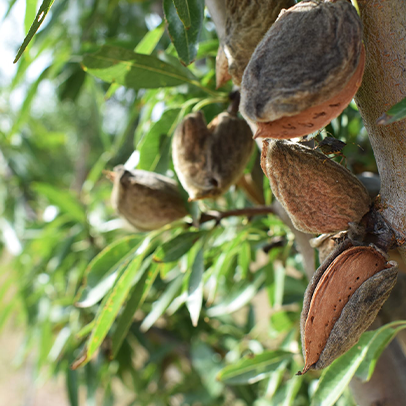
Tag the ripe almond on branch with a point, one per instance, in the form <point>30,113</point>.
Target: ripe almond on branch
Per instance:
<point>342,300</point>
<point>145,199</point>
<point>305,71</point>
<point>247,22</point>
<point>319,195</point>
<point>208,159</point>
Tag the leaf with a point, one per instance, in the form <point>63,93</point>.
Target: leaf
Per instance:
<point>30,11</point>
<point>239,298</point>
<point>177,247</point>
<point>195,288</point>
<point>101,273</point>
<point>292,387</point>
<point>72,386</point>
<point>150,40</point>
<point>137,71</point>
<point>244,258</point>
<point>126,317</point>
<point>162,303</point>
<point>110,307</point>
<point>337,376</point>
<point>150,146</point>
<point>367,367</point>
<point>395,113</point>
<point>39,19</point>
<point>253,369</point>
<point>65,200</point>
<point>182,8</point>
<point>183,38</point>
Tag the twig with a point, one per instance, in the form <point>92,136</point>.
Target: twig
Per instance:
<point>248,211</point>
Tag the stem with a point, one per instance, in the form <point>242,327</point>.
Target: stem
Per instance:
<point>248,211</point>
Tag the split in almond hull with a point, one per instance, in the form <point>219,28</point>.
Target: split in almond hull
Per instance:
<point>342,300</point>
<point>208,159</point>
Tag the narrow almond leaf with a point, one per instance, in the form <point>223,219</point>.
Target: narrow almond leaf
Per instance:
<point>183,10</point>
<point>177,247</point>
<point>145,47</point>
<point>185,38</point>
<point>125,319</point>
<point>162,303</point>
<point>253,369</point>
<point>102,270</point>
<point>150,40</point>
<point>395,113</point>
<point>195,288</point>
<point>30,12</point>
<point>367,367</point>
<point>137,71</point>
<point>337,376</point>
<point>150,146</point>
<point>39,19</point>
<point>239,298</point>
<point>64,199</point>
<point>244,258</point>
<point>110,307</point>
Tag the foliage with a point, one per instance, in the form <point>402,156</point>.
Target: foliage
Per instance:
<point>176,315</point>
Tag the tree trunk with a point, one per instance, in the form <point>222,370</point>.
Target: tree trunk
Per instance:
<point>384,84</point>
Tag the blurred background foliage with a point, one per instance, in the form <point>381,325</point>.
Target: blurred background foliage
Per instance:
<point>64,252</point>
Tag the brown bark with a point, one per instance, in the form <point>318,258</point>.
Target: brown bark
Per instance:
<point>384,84</point>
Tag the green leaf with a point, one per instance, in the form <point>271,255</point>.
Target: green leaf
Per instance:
<point>30,11</point>
<point>195,288</point>
<point>39,19</point>
<point>395,113</point>
<point>150,146</point>
<point>177,247</point>
<point>111,306</point>
<point>65,200</point>
<point>126,317</point>
<point>244,258</point>
<point>162,303</point>
<point>137,71</point>
<point>367,367</point>
<point>72,386</point>
<point>253,369</point>
<point>183,10</point>
<point>184,37</point>
<point>239,297</point>
<point>150,40</point>
<point>337,376</point>
<point>102,270</point>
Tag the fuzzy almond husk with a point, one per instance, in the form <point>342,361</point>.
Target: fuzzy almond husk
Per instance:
<point>145,199</point>
<point>308,55</point>
<point>316,117</point>
<point>208,159</point>
<point>247,21</point>
<point>319,195</point>
<point>342,300</point>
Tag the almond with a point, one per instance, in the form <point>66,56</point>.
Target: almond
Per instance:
<point>319,195</point>
<point>145,199</point>
<point>305,71</point>
<point>247,22</point>
<point>208,159</point>
<point>342,300</point>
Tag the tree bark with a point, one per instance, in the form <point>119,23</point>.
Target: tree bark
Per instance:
<point>384,84</point>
